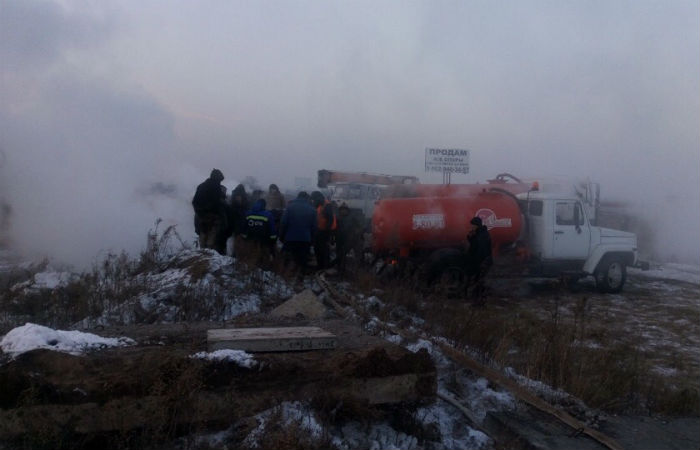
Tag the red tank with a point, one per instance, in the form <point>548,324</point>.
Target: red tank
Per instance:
<point>451,190</point>
<point>407,224</point>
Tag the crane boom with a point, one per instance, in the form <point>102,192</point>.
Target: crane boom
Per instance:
<point>326,177</point>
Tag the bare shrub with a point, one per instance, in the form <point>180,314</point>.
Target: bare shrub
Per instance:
<point>160,248</point>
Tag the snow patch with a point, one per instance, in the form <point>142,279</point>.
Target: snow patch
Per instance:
<point>438,357</point>
<point>451,425</point>
<point>31,337</point>
<point>239,357</point>
<point>290,412</point>
<point>671,271</point>
<point>665,371</point>
<point>377,437</point>
<point>394,339</point>
<point>47,280</point>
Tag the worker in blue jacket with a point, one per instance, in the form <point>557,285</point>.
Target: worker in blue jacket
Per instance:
<point>297,229</point>
<point>260,227</point>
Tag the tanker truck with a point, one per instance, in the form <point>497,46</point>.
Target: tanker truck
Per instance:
<point>534,233</point>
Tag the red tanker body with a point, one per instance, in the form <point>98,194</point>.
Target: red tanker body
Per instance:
<point>501,182</point>
<point>466,190</point>
<point>408,225</point>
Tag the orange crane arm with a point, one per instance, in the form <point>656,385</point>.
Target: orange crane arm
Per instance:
<point>326,177</point>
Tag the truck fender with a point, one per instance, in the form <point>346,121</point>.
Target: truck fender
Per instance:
<point>601,251</point>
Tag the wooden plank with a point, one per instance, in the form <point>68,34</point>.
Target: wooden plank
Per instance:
<point>286,339</point>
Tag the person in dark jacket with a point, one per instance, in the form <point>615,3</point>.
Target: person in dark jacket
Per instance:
<point>479,256</point>
<point>237,212</point>
<point>210,212</point>
<point>275,199</point>
<point>348,236</point>
<point>275,203</point>
<point>326,224</point>
<point>260,228</point>
<point>297,229</point>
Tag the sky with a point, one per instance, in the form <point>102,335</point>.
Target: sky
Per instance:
<point>111,112</point>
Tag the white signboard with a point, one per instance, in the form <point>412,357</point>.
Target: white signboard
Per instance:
<point>428,221</point>
<point>443,160</point>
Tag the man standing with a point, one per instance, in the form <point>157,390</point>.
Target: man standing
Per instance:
<point>326,224</point>
<point>210,213</point>
<point>349,236</point>
<point>237,212</point>
<point>297,229</point>
<point>275,203</point>
<point>479,257</point>
<point>260,228</point>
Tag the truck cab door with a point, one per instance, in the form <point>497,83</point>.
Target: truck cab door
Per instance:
<point>571,233</point>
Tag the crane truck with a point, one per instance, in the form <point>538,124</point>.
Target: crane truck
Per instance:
<point>359,190</point>
<point>540,233</point>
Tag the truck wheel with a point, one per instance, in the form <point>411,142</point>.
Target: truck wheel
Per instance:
<point>451,282</point>
<point>445,272</point>
<point>610,275</point>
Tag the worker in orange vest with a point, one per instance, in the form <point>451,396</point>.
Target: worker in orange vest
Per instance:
<point>326,226</point>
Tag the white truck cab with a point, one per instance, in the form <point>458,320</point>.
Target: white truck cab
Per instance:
<point>561,239</point>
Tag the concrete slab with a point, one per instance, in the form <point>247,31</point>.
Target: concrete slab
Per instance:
<point>286,339</point>
<point>305,304</point>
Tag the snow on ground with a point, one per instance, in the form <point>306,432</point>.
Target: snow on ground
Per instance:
<point>450,423</point>
<point>671,271</point>
<point>239,357</point>
<point>381,436</point>
<point>543,390</point>
<point>31,336</point>
<point>290,413</point>
<point>200,283</point>
<point>474,394</point>
<point>47,280</point>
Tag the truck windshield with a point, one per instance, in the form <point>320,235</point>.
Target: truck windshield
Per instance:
<point>347,192</point>
<point>535,208</point>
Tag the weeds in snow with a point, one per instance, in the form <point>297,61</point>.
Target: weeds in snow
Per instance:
<point>562,344</point>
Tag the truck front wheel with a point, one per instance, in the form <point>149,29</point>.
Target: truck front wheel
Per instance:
<point>610,275</point>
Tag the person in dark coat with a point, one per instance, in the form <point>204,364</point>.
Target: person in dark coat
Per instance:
<point>210,212</point>
<point>297,229</point>
<point>479,256</point>
<point>348,236</point>
<point>260,228</point>
<point>275,203</point>
<point>326,224</point>
<point>275,199</point>
<point>237,212</point>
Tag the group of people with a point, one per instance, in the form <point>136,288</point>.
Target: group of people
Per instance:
<point>308,221</point>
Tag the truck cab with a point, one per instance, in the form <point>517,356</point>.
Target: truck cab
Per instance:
<point>561,239</point>
<point>359,197</point>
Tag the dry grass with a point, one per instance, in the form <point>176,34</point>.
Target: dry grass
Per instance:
<point>560,341</point>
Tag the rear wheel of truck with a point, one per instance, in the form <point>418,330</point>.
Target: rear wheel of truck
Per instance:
<point>610,275</point>
<point>445,272</point>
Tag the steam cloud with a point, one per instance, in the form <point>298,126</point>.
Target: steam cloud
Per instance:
<point>111,114</point>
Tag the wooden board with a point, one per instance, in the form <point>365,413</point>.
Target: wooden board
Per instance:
<point>287,339</point>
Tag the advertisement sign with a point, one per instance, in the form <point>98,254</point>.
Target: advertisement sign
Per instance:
<point>451,160</point>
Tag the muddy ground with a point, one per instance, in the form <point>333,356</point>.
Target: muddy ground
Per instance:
<point>660,318</point>
<point>155,391</point>
<point>152,393</point>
